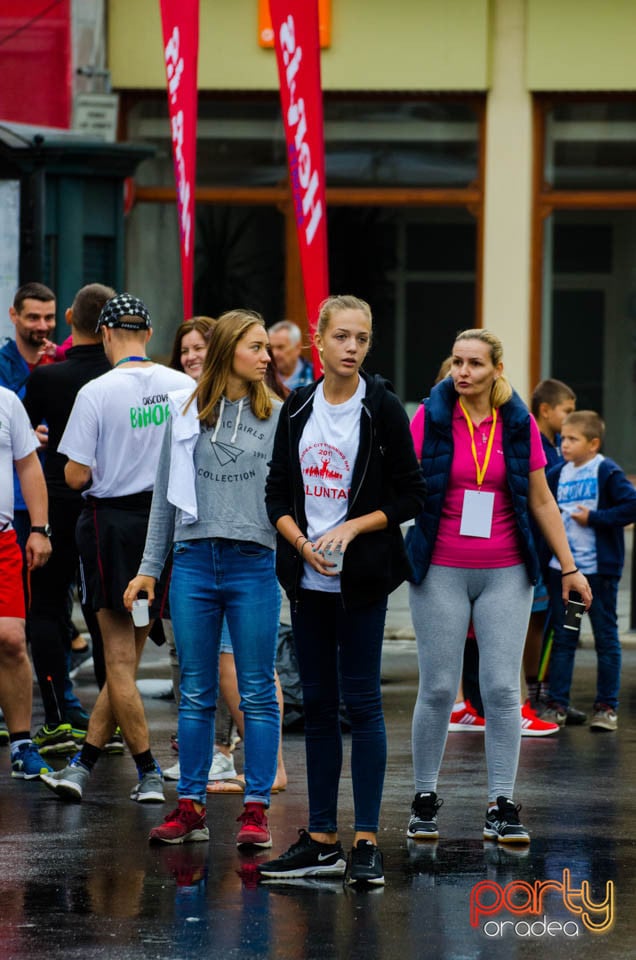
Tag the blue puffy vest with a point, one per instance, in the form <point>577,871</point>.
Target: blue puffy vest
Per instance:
<point>436,460</point>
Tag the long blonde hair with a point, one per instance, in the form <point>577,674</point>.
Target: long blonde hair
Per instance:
<point>501,390</point>
<point>217,367</point>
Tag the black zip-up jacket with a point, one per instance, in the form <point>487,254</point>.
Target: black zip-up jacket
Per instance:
<point>386,476</point>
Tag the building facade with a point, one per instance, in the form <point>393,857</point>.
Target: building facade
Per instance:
<point>481,170</point>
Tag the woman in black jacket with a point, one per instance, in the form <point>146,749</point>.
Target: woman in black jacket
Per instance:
<point>343,477</point>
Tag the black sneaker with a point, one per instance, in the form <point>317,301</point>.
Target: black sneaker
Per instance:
<point>423,822</point>
<point>306,858</point>
<point>574,717</point>
<point>365,864</point>
<point>503,824</point>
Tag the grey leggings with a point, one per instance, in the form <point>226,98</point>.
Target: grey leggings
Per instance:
<point>499,602</point>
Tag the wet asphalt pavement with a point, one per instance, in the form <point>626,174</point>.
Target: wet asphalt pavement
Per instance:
<point>81,881</point>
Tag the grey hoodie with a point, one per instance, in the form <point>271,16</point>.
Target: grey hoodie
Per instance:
<point>230,464</point>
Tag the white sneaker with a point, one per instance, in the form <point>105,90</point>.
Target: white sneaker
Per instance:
<point>172,773</point>
<point>222,768</point>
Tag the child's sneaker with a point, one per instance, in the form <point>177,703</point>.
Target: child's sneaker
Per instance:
<point>184,825</point>
<point>306,858</point>
<point>604,718</point>
<point>466,718</point>
<point>534,726</point>
<point>503,824</point>
<point>255,829</point>
<point>554,713</point>
<point>27,764</point>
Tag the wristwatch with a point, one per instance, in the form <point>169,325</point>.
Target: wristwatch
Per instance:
<point>45,530</point>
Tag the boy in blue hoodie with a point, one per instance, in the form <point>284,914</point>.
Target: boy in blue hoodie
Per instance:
<point>596,501</point>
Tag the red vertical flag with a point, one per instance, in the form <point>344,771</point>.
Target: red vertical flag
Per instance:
<point>295,25</point>
<point>180,19</point>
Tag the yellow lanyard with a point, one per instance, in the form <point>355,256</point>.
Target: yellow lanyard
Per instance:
<point>481,471</point>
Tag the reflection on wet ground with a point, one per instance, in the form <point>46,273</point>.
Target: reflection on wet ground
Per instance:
<point>81,880</point>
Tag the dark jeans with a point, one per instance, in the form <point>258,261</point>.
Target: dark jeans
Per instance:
<point>604,622</point>
<point>336,648</point>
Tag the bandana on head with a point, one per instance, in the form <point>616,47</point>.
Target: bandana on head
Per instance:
<point>124,305</point>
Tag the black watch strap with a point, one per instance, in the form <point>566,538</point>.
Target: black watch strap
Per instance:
<point>45,530</point>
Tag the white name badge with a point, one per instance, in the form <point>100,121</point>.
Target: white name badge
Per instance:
<point>477,514</point>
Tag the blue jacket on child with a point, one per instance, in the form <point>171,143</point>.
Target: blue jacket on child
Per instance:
<point>616,508</point>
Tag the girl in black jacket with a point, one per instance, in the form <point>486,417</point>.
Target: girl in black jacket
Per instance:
<point>343,477</point>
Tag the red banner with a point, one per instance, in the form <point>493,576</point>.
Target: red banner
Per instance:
<point>295,24</point>
<point>180,20</point>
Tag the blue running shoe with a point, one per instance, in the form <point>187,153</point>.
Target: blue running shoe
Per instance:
<point>27,764</point>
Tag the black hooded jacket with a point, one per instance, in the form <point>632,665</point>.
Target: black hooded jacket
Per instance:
<point>386,477</point>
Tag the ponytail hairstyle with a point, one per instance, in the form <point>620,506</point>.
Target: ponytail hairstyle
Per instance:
<point>217,367</point>
<point>501,390</point>
<point>337,302</point>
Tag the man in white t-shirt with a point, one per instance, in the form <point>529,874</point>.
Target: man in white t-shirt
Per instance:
<point>18,444</point>
<point>112,439</point>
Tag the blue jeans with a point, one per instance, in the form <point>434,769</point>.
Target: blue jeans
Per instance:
<point>604,622</point>
<point>213,579</point>
<point>339,648</point>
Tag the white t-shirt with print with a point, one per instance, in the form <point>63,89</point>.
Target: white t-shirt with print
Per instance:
<point>17,440</point>
<point>116,427</point>
<point>578,486</point>
<point>327,450</point>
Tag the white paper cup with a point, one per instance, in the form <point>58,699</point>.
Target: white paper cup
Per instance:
<point>140,613</point>
<point>337,557</point>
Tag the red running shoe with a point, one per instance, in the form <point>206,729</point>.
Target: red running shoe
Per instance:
<point>255,830</point>
<point>183,825</point>
<point>534,726</point>
<point>467,718</point>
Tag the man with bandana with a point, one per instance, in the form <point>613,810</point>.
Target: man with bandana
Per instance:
<point>112,440</point>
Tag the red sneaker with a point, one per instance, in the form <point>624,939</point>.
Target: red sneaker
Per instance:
<point>183,825</point>
<point>534,726</point>
<point>467,718</point>
<point>255,830</point>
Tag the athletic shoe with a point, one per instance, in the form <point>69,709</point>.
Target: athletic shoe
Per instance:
<point>78,659</point>
<point>149,789</point>
<point>4,736</point>
<point>534,726</point>
<point>183,825</point>
<point>115,746</point>
<point>54,739</point>
<point>68,783</point>
<point>255,829</point>
<point>27,764</point>
<point>604,718</point>
<point>222,767</point>
<point>574,717</point>
<point>555,713</point>
<point>467,719</point>
<point>503,824</point>
<point>306,858</point>
<point>365,864</point>
<point>78,719</point>
<point>423,821</point>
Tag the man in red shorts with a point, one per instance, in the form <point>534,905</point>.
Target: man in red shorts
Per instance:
<point>18,444</point>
